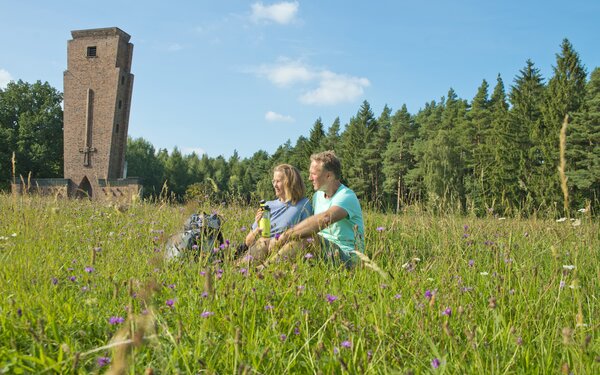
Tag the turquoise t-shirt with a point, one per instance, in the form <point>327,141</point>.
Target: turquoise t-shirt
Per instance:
<point>286,214</point>
<point>342,233</point>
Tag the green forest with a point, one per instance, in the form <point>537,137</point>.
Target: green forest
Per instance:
<point>499,152</point>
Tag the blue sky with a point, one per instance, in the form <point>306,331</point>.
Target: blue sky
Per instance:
<point>219,76</point>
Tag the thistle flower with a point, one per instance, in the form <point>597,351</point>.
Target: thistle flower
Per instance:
<point>115,320</point>
<point>282,337</point>
<point>103,361</point>
<point>206,314</point>
<point>330,298</point>
<point>428,294</point>
<point>447,312</point>
<point>89,269</point>
<point>170,302</point>
<point>435,363</point>
<point>380,229</point>
<point>269,307</point>
<point>346,344</point>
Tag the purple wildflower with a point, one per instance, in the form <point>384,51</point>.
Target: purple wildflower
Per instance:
<point>171,286</point>
<point>398,296</point>
<point>206,314</point>
<point>103,361</point>
<point>380,229</point>
<point>194,247</point>
<point>335,350</point>
<point>428,294</point>
<point>471,262</point>
<point>447,312</point>
<point>244,271</point>
<point>269,307</point>
<point>54,281</point>
<point>19,312</point>
<point>435,363</point>
<point>296,331</point>
<point>331,298</point>
<point>222,246</point>
<point>204,294</point>
<point>73,278</point>
<point>308,256</point>
<point>310,240</point>
<point>89,269</point>
<point>277,235</point>
<point>116,320</point>
<point>282,337</point>
<point>562,284</point>
<point>346,344</point>
<point>243,229</point>
<point>170,302</point>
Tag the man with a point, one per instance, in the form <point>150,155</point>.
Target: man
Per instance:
<point>337,219</point>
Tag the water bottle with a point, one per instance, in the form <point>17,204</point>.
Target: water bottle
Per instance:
<point>265,221</point>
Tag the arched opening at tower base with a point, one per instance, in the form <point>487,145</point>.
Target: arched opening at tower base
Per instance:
<point>84,190</point>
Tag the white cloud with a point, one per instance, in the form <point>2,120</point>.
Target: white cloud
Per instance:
<point>5,78</point>
<point>276,117</point>
<point>332,88</point>
<point>286,72</point>
<point>282,13</point>
<point>188,150</point>
<point>175,47</point>
<point>335,88</point>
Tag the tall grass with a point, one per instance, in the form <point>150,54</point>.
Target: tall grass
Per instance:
<point>84,289</point>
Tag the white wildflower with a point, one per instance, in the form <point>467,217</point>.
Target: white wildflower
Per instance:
<point>501,218</point>
<point>569,267</point>
<point>582,210</point>
<point>13,235</point>
<point>561,219</point>
<point>483,273</point>
<point>576,223</point>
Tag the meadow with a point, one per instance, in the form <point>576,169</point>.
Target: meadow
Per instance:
<point>84,288</point>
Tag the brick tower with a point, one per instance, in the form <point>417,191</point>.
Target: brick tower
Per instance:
<point>97,96</point>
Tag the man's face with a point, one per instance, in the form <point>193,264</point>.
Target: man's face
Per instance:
<point>317,175</point>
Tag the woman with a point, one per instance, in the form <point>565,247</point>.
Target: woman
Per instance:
<point>290,207</point>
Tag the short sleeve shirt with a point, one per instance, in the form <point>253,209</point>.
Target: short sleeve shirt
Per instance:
<point>285,214</point>
<point>342,232</point>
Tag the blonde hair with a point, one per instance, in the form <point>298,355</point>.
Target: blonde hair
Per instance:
<point>330,162</point>
<point>293,184</point>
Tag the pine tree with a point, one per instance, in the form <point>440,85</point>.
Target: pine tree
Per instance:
<point>565,95</point>
<point>527,97</point>
<point>357,134</point>
<point>583,148</point>
<point>504,190</point>
<point>332,139</point>
<point>316,137</point>
<point>398,159</point>
<point>373,153</point>
<point>475,147</point>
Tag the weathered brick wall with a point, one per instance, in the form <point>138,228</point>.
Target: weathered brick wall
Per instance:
<point>109,78</point>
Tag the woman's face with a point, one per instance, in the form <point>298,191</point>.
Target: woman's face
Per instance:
<point>278,181</point>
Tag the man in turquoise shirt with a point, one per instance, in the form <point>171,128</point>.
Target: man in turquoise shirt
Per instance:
<point>337,214</point>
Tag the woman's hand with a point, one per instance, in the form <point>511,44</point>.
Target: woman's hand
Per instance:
<point>258,215</point>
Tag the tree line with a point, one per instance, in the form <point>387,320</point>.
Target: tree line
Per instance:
<point>498,152</point>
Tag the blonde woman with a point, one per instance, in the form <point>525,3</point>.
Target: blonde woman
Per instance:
<point>289,208</point>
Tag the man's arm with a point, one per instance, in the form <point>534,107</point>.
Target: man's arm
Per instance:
<point>313,224</point>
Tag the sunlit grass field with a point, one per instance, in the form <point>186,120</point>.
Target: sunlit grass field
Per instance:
<point>84,288</point>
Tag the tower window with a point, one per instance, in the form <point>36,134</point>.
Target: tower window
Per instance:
<point>122,80</point>
<point>120,104</point>
<point>91,51</point>
<point>117,128</point>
